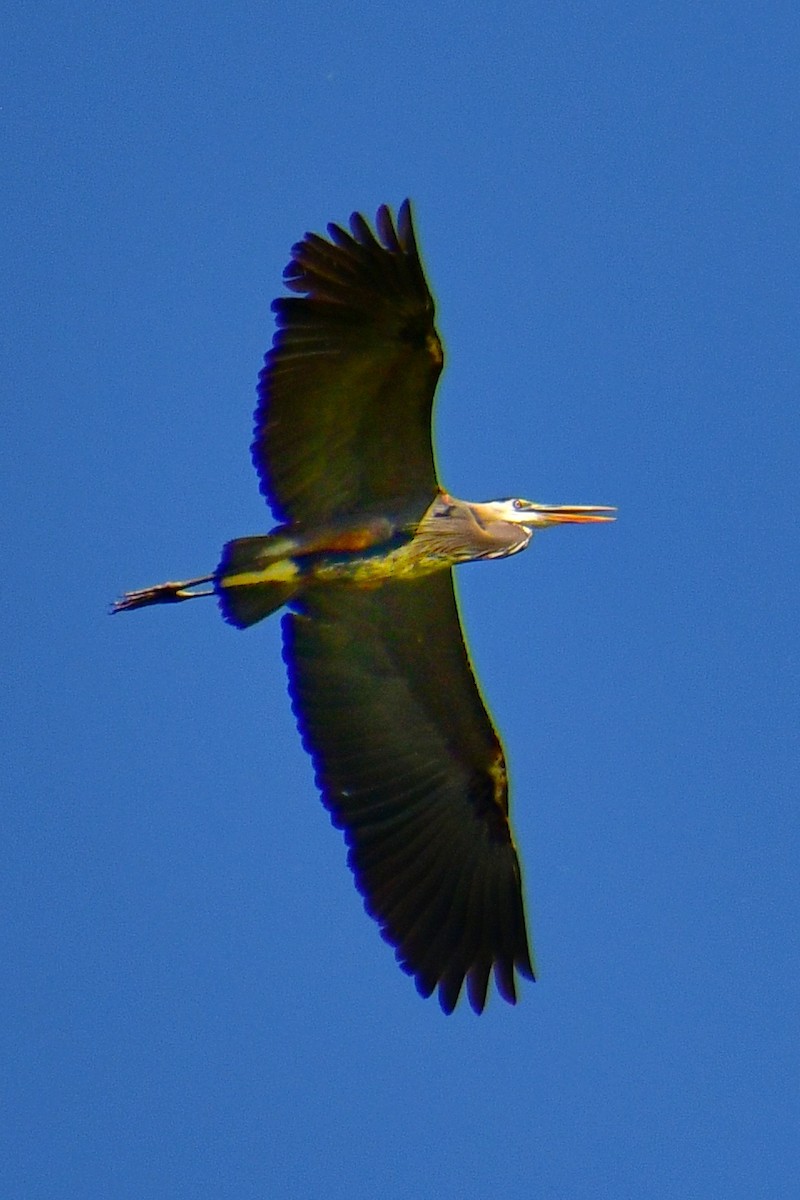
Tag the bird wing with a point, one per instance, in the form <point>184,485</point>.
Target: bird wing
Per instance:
<point>410,767</point>
<point>343,422</point>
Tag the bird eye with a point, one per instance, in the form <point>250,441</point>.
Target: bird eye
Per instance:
<point>518,505</point>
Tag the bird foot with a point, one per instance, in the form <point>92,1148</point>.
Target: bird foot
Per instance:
<point>161,593</point>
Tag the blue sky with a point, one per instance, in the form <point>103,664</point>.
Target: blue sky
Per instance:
<point>607,200</point>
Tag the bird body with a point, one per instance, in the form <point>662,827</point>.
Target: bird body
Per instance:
<point>407,759</point>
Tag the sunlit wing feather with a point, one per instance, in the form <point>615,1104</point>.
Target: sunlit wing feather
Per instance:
<point>412,770</point>
<point>343,422</point>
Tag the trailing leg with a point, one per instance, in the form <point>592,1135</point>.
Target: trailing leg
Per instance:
<point>163,593</point>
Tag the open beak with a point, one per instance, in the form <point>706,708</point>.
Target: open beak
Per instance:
<point>573,514</point>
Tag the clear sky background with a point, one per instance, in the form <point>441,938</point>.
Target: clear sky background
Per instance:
<point>607,197</point>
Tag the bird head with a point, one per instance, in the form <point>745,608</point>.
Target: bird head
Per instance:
<point>539,516</point>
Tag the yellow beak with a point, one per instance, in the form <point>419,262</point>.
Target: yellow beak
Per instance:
<point>573,514</point>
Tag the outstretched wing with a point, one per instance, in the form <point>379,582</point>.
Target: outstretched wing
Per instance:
<point>343,422</point>
<point>412,770</point>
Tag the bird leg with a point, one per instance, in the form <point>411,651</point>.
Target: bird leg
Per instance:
<point>163,593</point>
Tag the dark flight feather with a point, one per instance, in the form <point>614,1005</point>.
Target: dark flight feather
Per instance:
<point>343,422</point>
<point>423,803</point>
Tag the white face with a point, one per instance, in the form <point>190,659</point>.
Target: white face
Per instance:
<point>539,516</point>
<point>520,512</point>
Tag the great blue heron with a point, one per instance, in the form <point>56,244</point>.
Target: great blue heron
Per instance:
<point>406,756</point>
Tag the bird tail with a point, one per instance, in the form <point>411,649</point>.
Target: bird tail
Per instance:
<point>255,576</point>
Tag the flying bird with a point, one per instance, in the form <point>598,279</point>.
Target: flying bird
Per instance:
<point>407,759</point>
